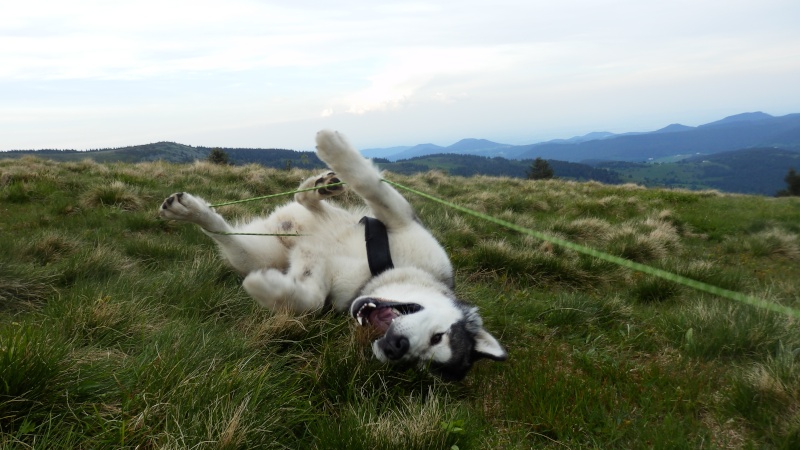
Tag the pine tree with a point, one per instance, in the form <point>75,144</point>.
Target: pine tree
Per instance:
<point>792,184</point>
<point>218,156</point>
<point>540,170</point>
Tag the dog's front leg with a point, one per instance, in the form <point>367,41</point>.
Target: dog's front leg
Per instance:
<point>362,177</point>
<point>312,199</point>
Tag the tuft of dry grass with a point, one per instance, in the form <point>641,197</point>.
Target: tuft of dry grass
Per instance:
<point>414,423</point>
<point>764,388</point>
<point>19,290</point>
<point>52,246</point>
<point>117,193</point>
<point>590,229</point>
<point>275,327</point>
<point>774,242</point>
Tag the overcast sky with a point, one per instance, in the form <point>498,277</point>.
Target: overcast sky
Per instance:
<point>89,74</point>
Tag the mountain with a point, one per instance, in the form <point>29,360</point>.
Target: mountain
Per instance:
<point>739,118</point>
<point>740,131</point>
<point>468,146</point>
<point>673,128</point>
<point>586,137</point>
<point>417,150</point>
<point>384,152</point>
<point>749,130</point>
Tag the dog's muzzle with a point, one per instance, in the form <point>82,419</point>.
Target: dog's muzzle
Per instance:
<point>380,313</point>
<point>393,346</point>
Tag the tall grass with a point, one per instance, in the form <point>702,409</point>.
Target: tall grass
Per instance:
<point>120,330</point>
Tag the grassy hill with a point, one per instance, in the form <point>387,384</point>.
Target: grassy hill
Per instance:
<point>120,330</point>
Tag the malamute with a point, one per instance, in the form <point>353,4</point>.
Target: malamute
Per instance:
<point>400,282</point>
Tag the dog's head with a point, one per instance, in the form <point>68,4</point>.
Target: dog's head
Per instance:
<point>429,327</point>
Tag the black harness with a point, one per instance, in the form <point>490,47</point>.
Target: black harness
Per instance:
<point>378,255</point>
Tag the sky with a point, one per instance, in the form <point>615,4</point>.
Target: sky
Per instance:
<point>89,74</point>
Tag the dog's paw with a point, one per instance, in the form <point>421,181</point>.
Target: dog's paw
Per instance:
<point>331,144</point>
<point>326,179</point>
<point>183,206</point>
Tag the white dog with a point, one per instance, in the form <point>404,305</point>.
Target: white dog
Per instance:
<point>400,282</point>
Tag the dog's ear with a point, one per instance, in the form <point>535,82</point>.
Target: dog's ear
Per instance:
<point>486,346</point>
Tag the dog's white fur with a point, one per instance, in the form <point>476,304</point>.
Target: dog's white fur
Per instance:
<point>327,263</point>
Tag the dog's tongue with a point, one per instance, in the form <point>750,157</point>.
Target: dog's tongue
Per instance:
<point>381,318</point>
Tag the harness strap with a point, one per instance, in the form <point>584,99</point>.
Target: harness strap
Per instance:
<point>378,255</point>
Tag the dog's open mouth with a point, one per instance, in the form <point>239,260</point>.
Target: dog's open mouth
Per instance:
<point>380,313</point>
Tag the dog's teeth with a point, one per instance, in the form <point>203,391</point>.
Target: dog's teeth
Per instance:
<point>361,321</point>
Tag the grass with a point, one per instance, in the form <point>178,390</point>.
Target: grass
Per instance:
<point>121,330</point>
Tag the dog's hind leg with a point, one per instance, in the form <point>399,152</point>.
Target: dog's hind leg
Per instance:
<point>302,289</point>
<point>188,208</point>
<point>363,177</point>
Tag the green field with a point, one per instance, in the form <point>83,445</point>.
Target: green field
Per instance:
<point>119,330</point>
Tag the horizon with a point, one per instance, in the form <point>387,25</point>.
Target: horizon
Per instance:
<point>89,75</point>
<point>408,146</point>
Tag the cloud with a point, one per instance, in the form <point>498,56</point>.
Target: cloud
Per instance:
<point>424,74</point>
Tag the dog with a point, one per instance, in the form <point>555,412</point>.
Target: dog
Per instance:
<point>400,283</point>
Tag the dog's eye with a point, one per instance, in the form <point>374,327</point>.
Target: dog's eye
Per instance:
<point>436,338</point>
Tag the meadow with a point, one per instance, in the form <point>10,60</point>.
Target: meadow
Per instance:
<point>120,330</point>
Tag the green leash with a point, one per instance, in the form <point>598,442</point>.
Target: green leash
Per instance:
<point>699,285</point>
<point>669,276</point>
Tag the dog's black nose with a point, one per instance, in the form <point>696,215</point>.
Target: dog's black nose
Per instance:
<point>394,347</point>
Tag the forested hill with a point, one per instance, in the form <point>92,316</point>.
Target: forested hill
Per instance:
<point>452,164</point>
<point>165,151</point>
<point>277,158</point>
<point>178,153</point>
<point>757,170</point>
<point>750,171</point>
<point>469,165</point>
